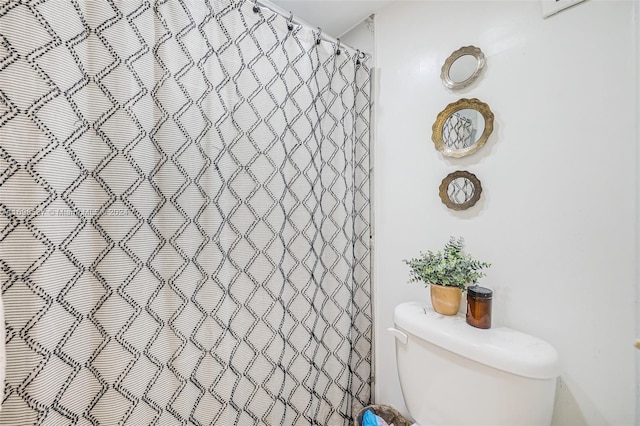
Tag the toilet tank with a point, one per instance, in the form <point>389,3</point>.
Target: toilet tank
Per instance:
<point>454,374</point>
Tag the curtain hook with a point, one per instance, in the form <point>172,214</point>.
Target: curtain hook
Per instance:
<point>319,36</point>
<point>358,57</point>
<point>290,21</point>
<point>256,8</point>
<point>338,47</point>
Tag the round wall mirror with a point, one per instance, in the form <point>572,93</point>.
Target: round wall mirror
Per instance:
<point>462,67</point>
<point>460,190</point>
<point>462,128</point>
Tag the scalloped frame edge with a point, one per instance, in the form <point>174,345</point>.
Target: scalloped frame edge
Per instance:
<point>460,104</point>
<point>444,186</point>
<point>446,67</point>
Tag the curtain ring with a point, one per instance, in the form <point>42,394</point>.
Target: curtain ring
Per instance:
<point>338,51</point>
<point>319,36</point>
<point>256,8</point>
<point>290,21</point>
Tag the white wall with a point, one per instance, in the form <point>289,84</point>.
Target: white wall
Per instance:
<point>558,212</point>
<point>637,309</point>
<point>361,37</point>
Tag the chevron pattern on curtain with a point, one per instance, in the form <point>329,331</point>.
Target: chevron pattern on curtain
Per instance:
<point>184,227</point>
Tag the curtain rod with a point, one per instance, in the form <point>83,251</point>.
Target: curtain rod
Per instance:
<point>290,18</point>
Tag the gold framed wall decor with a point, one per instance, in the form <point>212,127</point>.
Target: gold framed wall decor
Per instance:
<point>462,128</point>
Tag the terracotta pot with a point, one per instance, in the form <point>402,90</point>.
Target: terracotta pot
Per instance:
<point>445,300</point>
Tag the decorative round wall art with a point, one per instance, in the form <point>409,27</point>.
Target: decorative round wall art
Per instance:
<point>460,190</point>
<point>462,67</point>
<point>462,128</point>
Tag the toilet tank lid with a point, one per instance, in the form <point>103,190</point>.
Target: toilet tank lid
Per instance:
<point>501,348</point>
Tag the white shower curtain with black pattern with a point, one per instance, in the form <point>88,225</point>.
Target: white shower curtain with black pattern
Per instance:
<point>184,198</point>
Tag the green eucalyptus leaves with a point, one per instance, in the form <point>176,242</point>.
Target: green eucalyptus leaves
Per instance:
<point>447,267</point>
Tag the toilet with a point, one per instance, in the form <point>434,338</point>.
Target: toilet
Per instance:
<point>454,374</point>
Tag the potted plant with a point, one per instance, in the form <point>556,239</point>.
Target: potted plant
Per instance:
<point>449,272</point>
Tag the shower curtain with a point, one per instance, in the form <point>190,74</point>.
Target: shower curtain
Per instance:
<point>184,237</point>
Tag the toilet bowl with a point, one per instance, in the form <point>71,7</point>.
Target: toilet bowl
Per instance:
<point>454,374</point>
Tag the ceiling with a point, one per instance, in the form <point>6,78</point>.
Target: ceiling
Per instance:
<point>335,17</point>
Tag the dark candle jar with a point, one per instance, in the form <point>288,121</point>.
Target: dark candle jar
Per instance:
<point>479,306</point>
